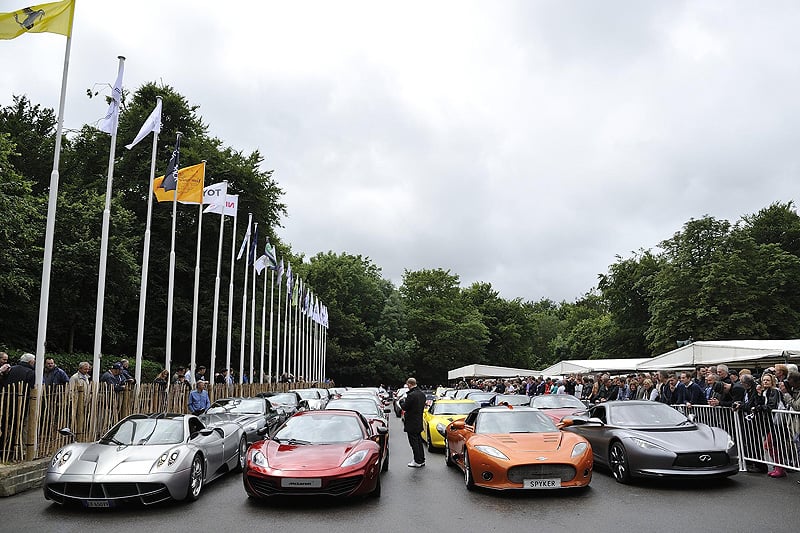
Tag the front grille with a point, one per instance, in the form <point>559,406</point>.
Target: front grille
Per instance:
<point>702,460</point>
<point>146,493</point>
<point>516,474</point>
<point>334,487</point>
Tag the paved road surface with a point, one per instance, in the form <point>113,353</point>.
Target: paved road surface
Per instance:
<point>433,499</point>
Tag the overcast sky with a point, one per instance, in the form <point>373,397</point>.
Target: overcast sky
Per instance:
<point>525,144</point>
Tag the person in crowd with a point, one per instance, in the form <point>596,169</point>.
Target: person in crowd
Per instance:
<point>633,389</point>
<point>578,392</point>
<point>125,372</point>
<point>23,372</point>
<point>200,375</point>
<point>569,385</point>
<point>161,380</point>
<point>712,397</point>
<point>650,391</point>
<point>181,384</point>
<point>594,392</point>
<point>180,373</point>
<point>53,375</point>
<point>113,378</point>
<point>734,376</point>
<point>80,379</point>
<point>688,392</point>
<point>413,405</point>
<point>5,368</point>
<point>198,399</point>
<point>769,400</point>
<point>664,387</point>
<point>724,375</point>
<point>622,388</point>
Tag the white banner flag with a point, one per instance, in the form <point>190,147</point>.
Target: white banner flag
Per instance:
<point>230,207</point>
<point>153,123</point>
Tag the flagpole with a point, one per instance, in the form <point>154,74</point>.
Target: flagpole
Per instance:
<point>263,330</point>
<point>195,305</point>
<point>215,318</point>
<point>101,276</point>
<point>253,313</point>
<point>271,305</point>
<point>230,294</point>
<point>146,260</point>
<point>244,299</point>
<point>296,331</point>
<point>278,333</point>
<point>171,286</point>
<point>47,261</point>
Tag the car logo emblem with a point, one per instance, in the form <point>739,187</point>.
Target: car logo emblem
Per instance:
<point>705,458</point>
<point>541,458</point>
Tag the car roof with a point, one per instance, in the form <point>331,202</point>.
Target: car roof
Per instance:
<point>447,400</point>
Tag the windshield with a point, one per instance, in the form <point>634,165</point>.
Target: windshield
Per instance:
<point>367,408</point>
<point>319,428</point>
<point>557,401</point>
<point>242,407</point>
<point>461,408</point>
<point>513,422</point>
<point>511,399</point>
<point>145,431</point>
<point>481,396</point>
<point>650,414</point>
<point>283,398</point>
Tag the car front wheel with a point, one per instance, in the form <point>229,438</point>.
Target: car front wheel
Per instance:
<point>195,479</point>
<point>618,461</point>
<point>469,481</point>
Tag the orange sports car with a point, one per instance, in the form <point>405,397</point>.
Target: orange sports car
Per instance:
<point>510,447</point>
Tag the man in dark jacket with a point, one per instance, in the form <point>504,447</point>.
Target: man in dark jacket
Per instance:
<point>23,372</point>
<point>413,405</point>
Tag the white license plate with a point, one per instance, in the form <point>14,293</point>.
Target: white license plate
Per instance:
<point>301,482</point>
<point>97,503</point>
<point>542,483</point>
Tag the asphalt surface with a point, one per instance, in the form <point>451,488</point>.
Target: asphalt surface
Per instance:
<point>434,499</point>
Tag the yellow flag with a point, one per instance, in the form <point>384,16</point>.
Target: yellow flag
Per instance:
<point>190,186</point>
<point>55,17</point>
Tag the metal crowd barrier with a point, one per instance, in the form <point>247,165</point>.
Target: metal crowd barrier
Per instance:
<point>771,438</point>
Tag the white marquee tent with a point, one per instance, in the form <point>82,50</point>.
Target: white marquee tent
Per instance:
<point>588,366</point>
<point>738,353</point>
<point>488,371</point>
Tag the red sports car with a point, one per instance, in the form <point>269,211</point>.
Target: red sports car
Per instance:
<point>322,452</point>
<point>557,406</point>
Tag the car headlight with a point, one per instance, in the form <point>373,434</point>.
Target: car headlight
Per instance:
<point>355,458</point>
<point>730,444</point>
<point>61,457</point>
<point>251,427</point>
<point>169,458</point>
<point>647,445</point>
<point>441,428</point>
<point>259,459</point>
<point>490,450</point>
<point>579,449</point>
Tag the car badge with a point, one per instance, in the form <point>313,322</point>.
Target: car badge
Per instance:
<point>541,458</point>
<point>705,458</point>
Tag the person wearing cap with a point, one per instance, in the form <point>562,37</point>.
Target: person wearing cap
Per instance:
<point>413,404</point>
<point>113,377</point>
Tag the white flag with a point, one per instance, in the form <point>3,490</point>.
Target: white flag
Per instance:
<point>230,207</point>
<point>109,122</point>
<point>153,123</point>
<point>215,194</point>
<point>260,264</point>
<point>244,244</point>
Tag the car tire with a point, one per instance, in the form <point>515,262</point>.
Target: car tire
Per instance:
<point>469,481</point>
<point>448,455</point>
<point>385,465</point>
<point>242,458</point>
<point>430,443</point>
<point>618,462</point>
<point>195,479</point>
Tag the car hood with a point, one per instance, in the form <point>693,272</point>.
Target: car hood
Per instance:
<point>683,439</point>
<point>102,459</point>
<point>520,443</point>
<point>308,456</point>
<point>446,419</point>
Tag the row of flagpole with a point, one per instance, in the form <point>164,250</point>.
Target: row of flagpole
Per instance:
<point>307,355</point>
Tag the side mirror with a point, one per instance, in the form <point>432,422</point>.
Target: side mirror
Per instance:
<point>67,432</point>
<point>595,420</point>
<point>387,410</point>
<point>690,416</point>
<point>457,425</point>
<point>383,430</point>
<point>263,432</point>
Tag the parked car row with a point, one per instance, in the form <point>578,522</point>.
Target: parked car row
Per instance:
<point>284,448</point>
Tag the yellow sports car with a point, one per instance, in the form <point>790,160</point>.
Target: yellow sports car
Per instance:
<point>439,414</point>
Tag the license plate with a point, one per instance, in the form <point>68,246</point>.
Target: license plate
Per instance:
<point>301,482</point>
<point>542,483</point>
<point>97,503</point>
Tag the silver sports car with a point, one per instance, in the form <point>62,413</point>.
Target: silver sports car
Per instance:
<point>650,439</point>
<point>145,459</point>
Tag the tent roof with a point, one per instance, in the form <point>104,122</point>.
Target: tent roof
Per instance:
<point>488,371</point>
<point>583,366</point>
<point>724,352</point>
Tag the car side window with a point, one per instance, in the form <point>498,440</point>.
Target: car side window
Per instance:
<point>599,412</point>
<point>470,420</point>
<point>194,426</point>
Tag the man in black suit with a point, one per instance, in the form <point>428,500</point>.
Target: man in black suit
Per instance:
<point>413,405</point>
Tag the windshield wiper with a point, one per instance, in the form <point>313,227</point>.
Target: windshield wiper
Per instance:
<point>685,422</point>
<point>114,441</point>
<point>297,441</point>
